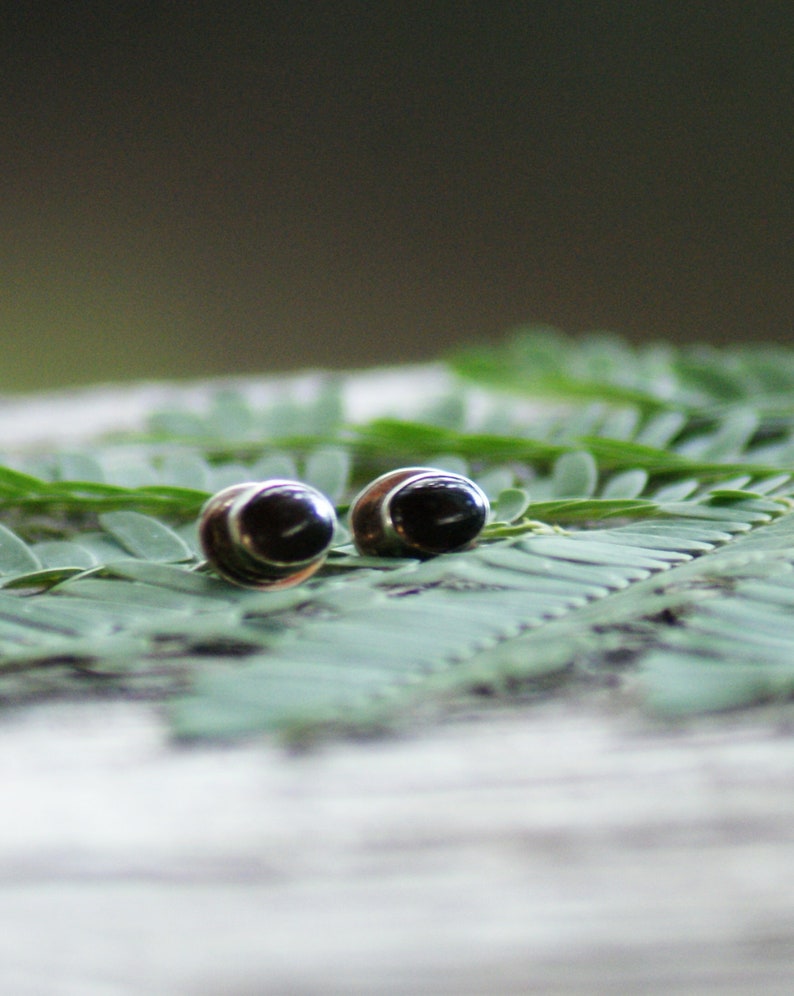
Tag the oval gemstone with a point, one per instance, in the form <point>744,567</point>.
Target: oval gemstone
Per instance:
<point>438,515</point>
<point>286,524</point>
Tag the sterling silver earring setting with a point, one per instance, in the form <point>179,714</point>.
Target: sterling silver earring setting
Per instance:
<point>418,512</point>
<point>267,534</point>
<point>275,534</point>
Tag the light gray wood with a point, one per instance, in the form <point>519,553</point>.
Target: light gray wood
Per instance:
<point>553,848</point>
<point>563,847</point>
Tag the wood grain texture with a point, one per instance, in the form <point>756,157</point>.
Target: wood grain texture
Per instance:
<point>564,847</point>
<point>552,848</point>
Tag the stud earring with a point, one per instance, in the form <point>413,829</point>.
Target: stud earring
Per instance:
<point>267,534</point>
<point>417,512</point>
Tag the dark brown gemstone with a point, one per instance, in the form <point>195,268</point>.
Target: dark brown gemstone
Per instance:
<point>286,524</point>
<point>440,515</point>
<point>267,535</point>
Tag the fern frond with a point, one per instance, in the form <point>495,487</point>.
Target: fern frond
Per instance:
<point>642,535</point>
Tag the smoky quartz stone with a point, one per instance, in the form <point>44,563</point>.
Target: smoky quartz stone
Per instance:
<point>268,534</point>
<point>289,524</point>
<point>418,512</point>
<point>438,516</point>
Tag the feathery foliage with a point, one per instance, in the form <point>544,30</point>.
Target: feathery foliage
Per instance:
<point>642,537</point>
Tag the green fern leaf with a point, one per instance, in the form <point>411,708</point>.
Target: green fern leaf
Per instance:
<point>642,535</point>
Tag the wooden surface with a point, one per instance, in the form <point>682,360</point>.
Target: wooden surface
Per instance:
<point>562,847</point>
<point>557,848</point>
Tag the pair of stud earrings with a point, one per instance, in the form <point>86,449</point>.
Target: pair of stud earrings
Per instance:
<point>275,534</point>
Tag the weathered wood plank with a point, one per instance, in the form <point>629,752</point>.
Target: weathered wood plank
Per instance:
<point>562,847</point>
<point>553,848</point>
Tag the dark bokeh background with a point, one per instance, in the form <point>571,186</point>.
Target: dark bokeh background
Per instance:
<point>206,187</point>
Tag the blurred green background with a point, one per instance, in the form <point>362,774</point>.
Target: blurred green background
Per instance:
<point>238,187</point>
